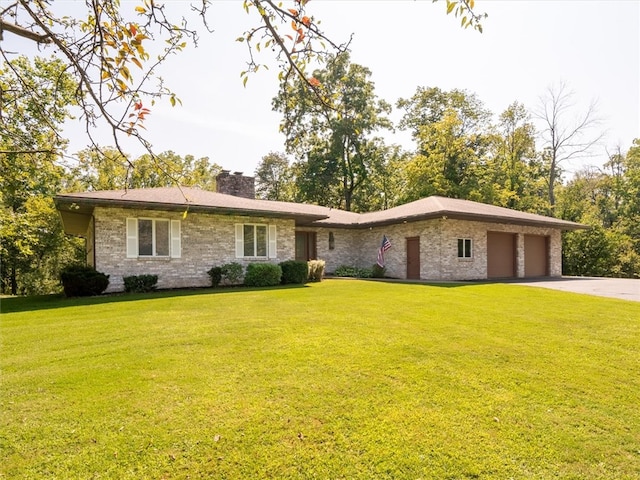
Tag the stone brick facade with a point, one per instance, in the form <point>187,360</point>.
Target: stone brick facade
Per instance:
<point>207,240</point>
<point>438,248</point>
<point>236,184</point>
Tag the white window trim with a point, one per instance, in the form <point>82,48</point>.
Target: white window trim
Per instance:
<point>464,250</point>
<point>272,246</point>
<point>133,244</point>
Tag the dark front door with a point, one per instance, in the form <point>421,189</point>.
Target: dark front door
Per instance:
<point>305,246</point>
<point>413,258</point>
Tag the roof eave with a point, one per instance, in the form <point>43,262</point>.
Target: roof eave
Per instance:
<point>83,203</point>
<point>445,214</point>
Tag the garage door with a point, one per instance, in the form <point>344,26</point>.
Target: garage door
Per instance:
<point>501,255</point>
<point>536,256</point>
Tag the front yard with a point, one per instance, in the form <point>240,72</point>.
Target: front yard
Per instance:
<point>340,379</point>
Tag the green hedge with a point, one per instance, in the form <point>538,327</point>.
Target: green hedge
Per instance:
<point>140,283</point>
<point>83,281</point>
<point>348,271</point>
<point>294,272</point>
<point>262,275</point>
<point>231,273</point>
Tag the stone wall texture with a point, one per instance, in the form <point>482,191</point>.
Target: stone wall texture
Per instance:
<point>208,240</point>
<point>236,184</point>
<point>438,248</point>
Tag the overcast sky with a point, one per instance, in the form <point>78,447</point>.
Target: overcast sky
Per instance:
<point>591,45</point>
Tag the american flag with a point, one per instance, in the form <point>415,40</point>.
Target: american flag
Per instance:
<point>386,245</point>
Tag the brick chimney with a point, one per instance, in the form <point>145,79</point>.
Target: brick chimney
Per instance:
<point>236,184</point>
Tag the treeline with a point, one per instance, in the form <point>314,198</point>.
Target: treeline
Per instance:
<point>33,246</point>
<point>336,155</point>
<point>462,150</point>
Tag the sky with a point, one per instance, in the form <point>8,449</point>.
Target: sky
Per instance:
<point>593,46</point>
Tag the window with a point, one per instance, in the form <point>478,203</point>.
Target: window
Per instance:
<point>153,237</point>
<point>255,240</point>
<point>464,248</point>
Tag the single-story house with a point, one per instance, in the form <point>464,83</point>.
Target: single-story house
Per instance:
<point>180,233</point>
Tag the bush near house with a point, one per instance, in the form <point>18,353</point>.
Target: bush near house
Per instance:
<point>316,270</point>
<point>294,271</point>
<point>262,275</point>
<point>215,274</point>
<point>377,271</point>
<point>140,283</point>
<point>230,273</point>
<point>355,272</point>
<point>83,281</point>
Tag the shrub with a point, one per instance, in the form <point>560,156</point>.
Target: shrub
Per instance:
<point>377,271</point>
<point>355,272</point>
<point>140,283</point>
<point>215,274</point>
<point>83,281</point>
<point>232,273</point>
<point>294,271</point>
<point>316,270</point>
<point>262,275</point>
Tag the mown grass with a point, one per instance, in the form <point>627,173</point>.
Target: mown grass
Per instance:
<point>342,379</point>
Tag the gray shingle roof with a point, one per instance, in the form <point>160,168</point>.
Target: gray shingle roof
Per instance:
<point>194,199</point>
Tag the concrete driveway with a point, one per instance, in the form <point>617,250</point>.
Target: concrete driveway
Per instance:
<point>624,288</point>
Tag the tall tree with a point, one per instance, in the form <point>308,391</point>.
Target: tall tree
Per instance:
<point>274,178</point>
<point>512,176</point>
<point>112,50</point>
<point>106,169</point>
<point>608,201</point>
<point>385,182</point>
<point>451,133</point>
<point>29,172</point>
<point>565,134</point>
<point>329,130</point>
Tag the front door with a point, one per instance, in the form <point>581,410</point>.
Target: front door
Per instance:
<point>413,258</point>
<point>305,246</point>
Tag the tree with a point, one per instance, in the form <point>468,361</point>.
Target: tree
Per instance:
<point>112,50</point>
<point>274,178</point>
<point>564,137</point>
<point>330,135</point>
<point>34,248</point>
<point>450,131</point>
<point>385,182</point>
<point>512,176</point>
<point>107,169</point>
<point>608,201</point>
<point>29,173</point>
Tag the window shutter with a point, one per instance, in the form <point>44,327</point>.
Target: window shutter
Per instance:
<point>273,251</point>
<point>176,246</point>
<point>132,237</point>
<point>239,240</point>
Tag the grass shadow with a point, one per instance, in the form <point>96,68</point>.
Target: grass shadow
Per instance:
<point>49,302</point>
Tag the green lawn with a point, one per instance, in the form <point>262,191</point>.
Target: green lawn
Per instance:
<point>344,379</point>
